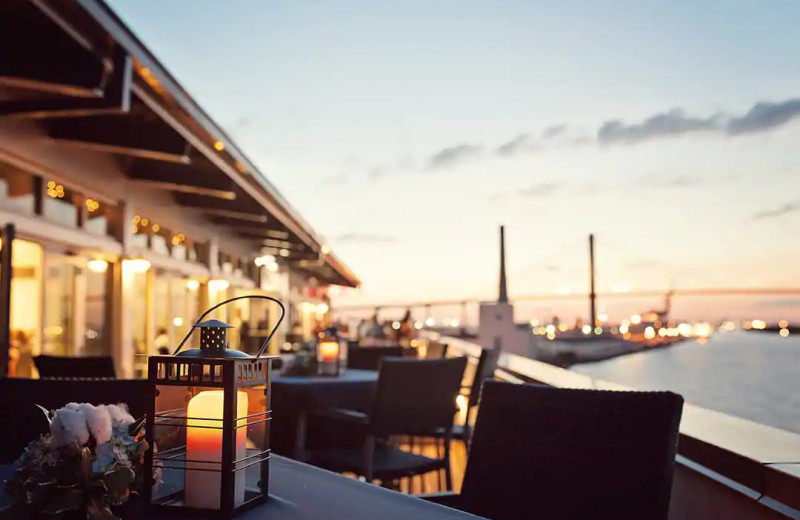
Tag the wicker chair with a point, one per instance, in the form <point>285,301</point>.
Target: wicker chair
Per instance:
<point>412,395</point>
<point>570,454</point>
<point>369,358</point>
<point>19,397</point>
<point>85,366</point>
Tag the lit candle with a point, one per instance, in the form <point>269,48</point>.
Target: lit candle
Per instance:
<point>204,442</point>
<point>329,351</point>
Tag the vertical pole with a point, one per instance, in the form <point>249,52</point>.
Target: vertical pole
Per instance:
<point>502,297</point>
<point>592,294</point>
<point>5,297</point>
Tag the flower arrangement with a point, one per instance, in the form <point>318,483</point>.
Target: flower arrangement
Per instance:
<point>91,460</point>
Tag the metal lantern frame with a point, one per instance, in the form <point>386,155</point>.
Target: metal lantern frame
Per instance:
<point>212,367</point>
<point>331,368</point>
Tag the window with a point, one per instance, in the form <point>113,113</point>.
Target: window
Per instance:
<point>17,189</point>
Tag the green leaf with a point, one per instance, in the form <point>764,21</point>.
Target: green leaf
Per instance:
<point>64,499</point>
<point>136,426</point>
<point>97,509</point>
<point>118,483</point>
<point>49,414</point>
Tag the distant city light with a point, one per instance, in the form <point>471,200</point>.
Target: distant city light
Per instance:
<point>623,328</point>
<point>418,325</point>
<point>636,319</point>
<point>662,332</point>
<point>586,329</point>
<point>702,330</point>
<point>534,322</point>
<point>550,329</point>
<point>649,333</point>
<point>603,317</point>
<point>563,327</point>
<point>551,336</point>
<point>727,326</point>
<point>430,322</point>
<point>758,324</point>
<point>454,323</point>
<point>396,325</point>
<point>784,333</point>
<point>598,330</point>
<point>783,324</point>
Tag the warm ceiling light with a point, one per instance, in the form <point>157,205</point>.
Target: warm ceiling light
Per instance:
<point>192,285</point>
<point>97,265</point>
<point>219,146</point>
<point>136,265</point>
<point>92,205</point>
<point>218,285</point>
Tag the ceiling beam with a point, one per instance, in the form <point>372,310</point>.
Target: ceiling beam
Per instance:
<point>180,178</point>
<point>135,134</point>
<point>114,96</point>
<point>42,56</point>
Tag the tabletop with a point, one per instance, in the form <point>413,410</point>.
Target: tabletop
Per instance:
<point>299,491</point>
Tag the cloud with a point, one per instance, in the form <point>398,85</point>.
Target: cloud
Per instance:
<point>554,131</point>
<point>666,124</point>
<point>522,142</point>
<point>455,154</point>
<point>765,115</point>
<point>777,212</point>
<point>540,189</point>
<point>364,238</point>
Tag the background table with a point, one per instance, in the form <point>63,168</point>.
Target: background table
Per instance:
<point>294,397</point>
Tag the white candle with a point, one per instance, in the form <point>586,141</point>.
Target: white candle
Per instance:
<point>203,488</point>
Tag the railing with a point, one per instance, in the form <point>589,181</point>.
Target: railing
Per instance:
<point>756,460</point>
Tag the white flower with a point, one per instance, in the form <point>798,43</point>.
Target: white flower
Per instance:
<point>69,427</point>
<point>98,420</point>
<point>119,413</point>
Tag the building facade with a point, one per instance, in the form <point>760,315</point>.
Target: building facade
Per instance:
<point>132,211</point>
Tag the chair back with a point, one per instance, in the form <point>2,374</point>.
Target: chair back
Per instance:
<point>416,395</point>
<point>19,397</point>
<point>571,454</point>
<point>369,358</point>
<point>487,364</point>
<point>436,350</point>
<point>87,366</point>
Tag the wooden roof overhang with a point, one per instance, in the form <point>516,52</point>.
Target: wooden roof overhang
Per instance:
<point>74,66</point>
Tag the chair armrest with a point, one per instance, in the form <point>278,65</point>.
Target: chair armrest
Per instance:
<point>353,416</point>
<point>444,498</point>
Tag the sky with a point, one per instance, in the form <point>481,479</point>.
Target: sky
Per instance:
<point>405,133</point>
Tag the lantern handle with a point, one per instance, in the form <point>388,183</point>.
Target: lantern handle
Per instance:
<point>248,296</point>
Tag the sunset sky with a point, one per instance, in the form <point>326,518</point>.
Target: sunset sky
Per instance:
<point>406,132</point>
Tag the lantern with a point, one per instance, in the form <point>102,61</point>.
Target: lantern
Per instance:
<point>331,353</point>
<point>209,424</point>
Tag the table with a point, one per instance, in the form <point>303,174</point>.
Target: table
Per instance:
<point>302,492</point>
<point>294,397</point>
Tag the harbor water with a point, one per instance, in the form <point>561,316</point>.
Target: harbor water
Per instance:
<point>753,375</point>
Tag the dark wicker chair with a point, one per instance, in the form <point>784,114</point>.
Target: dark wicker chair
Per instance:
<point>436,350</point>
<point>19,397</point>
<point>369,358</point>
<point>570,454</point>
<point>412,395</point>
<point>86,366</point>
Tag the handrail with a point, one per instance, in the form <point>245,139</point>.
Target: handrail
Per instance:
<point>757,456</point>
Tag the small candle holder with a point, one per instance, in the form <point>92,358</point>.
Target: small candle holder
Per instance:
<point>331,353</point>
<point>209,424</point>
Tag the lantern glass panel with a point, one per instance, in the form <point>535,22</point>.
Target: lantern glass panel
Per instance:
<point>254,465</point>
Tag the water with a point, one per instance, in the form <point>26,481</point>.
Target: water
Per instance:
<point>747,374</point>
